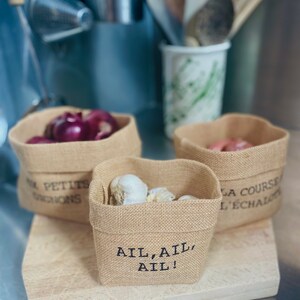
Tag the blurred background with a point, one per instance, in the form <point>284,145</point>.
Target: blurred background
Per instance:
<point>116,64</point>
<point>118,67</point>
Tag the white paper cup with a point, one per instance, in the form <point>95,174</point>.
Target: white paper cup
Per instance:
<point>194,80</point>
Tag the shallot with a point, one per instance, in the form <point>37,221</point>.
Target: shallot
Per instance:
<point>230,145</point>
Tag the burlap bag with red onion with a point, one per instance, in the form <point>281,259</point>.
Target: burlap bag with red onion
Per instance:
<point>54,178</point>
<point>154,243</point>
<point>250,179</point>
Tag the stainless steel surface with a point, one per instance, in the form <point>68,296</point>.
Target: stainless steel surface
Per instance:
<point>212,23</point>
<point>15,222</point>
<point>264,66</point>
<point>58,19</point>
<point>169,16</point>
<point>14,229</point>
<point>117,11</point>
<point>45,98</point>
<point>277,93</point>
<point>19,84</point>
<point>243,62</point>
<point>44,93</point>
<point>287,224</point>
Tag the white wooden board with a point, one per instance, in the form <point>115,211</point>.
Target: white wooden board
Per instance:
<point>60,263</point>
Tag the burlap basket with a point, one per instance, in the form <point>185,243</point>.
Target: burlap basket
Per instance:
<point>250,179</point>
<point>54,178</point>
<point>154,243</point>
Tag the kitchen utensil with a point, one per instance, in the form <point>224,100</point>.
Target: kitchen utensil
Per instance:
<point>57,19</point>
<point>191,7</point>
<point>243,9</point>
<point>194,80</point>
<point>3,128</point>
<point>42,103</point>
<point>30,47</point>
<point>169,15</point>
<point>117,11</point>
<point>212,23</point>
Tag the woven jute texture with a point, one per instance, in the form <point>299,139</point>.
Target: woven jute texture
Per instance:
<point>54,178</point>
<point>250,179</point>
<point>154,243</point>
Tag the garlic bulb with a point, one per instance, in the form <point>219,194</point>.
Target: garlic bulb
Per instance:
<point>160,194</point>
<point>186,197</point>
<point>128,189</point>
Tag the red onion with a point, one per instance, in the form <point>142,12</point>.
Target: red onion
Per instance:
<point>39,140</point>
<point>50,127</point>
<point>101,135</point>
<point>101,124</point>
<point>70,128</point>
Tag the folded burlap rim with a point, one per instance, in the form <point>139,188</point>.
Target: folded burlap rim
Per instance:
<point>269,152</point>
<point>191,215</point>
<point>59,157</point>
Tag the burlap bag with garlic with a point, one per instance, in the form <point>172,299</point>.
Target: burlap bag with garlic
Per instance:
<point>154,242</point>
<point>250,179</point>
<point>54,178</point>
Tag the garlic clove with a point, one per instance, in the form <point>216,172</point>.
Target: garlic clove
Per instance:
<point>116,193</point>
<point>160,194</point>
<point>151,198</point>
<point>129,201</point>
<point>186,197</point>
<point>128,187</point>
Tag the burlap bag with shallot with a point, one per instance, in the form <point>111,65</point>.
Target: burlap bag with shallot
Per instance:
<point>154,243</point>
<point>54,178</point>
<point>250,179</point>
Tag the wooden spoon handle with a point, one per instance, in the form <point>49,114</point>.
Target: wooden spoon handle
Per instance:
<point>243,9</point>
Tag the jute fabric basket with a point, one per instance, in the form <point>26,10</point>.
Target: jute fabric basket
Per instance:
<point>250,179</point>
<point>154,243</point>
<point>54,178</point>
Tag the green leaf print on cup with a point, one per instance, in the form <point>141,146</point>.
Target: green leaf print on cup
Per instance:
<point>189,87</point>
